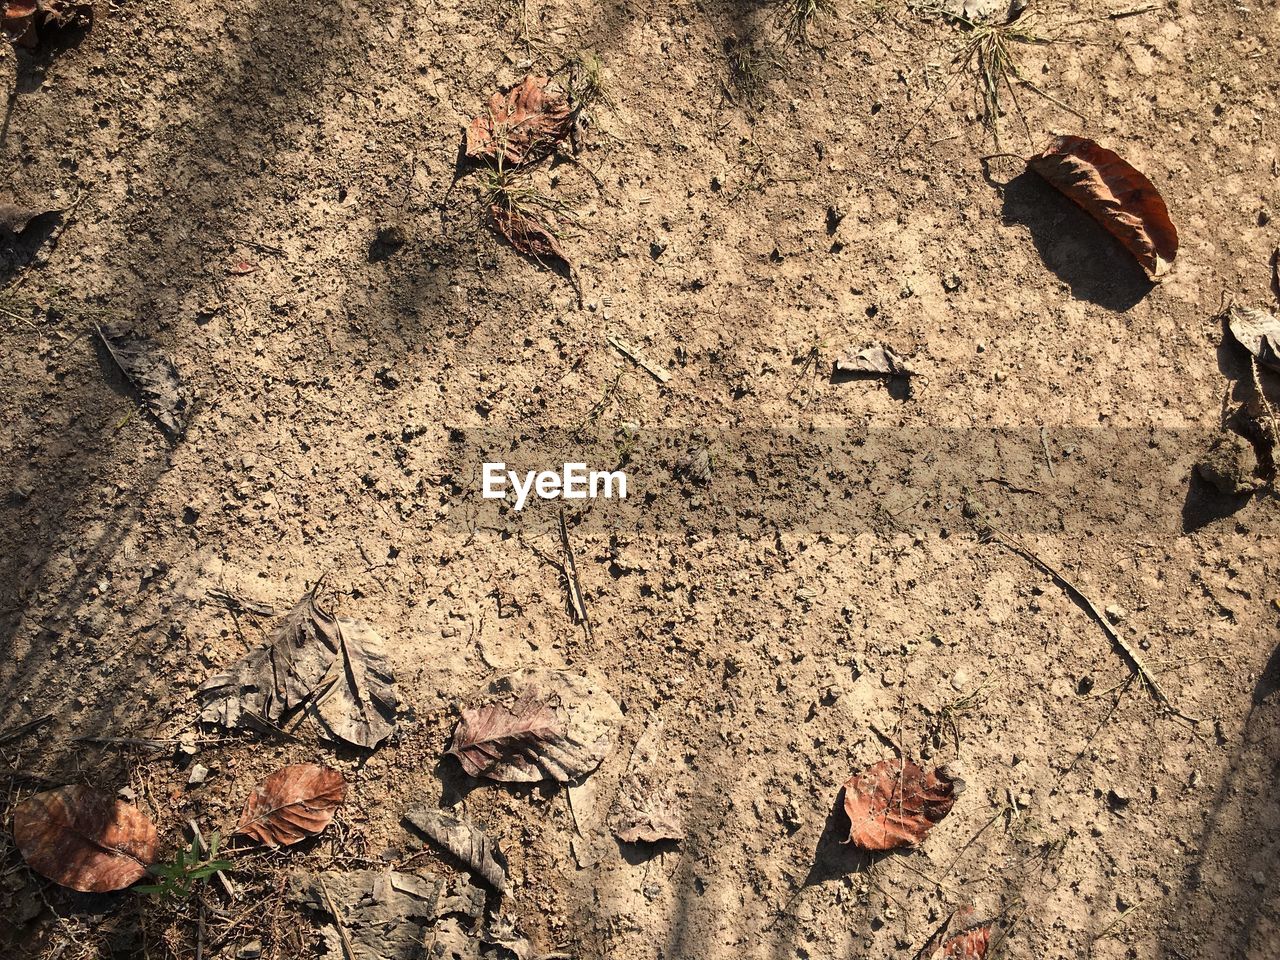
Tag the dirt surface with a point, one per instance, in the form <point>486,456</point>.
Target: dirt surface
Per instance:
<point>823,596</point>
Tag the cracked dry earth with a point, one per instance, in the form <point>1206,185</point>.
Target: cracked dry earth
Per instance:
<point>822,594</point>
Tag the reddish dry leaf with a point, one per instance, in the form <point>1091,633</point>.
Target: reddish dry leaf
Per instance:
<point>27,22</point>
<point>525,743</point>
<point>1116,195</point>
<point>81,839</point>
<point>895,803</point>
<point>292,804</point>
<point>241,267</point>
<point>971,944</point>
<point>526,121</point>
<point>526,234</point>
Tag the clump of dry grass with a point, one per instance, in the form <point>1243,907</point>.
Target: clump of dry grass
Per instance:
<point>797,18</point>
<point>986,57</point>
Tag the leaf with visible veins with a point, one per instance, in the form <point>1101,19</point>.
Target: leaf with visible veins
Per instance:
<point>1120,198</point>
<point>294,803</point>
<point>537,737</point>
<point>84,840</point>
<point>895,803</point>
<point>521,124</point>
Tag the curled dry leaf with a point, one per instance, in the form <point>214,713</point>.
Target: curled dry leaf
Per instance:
<point>1258,331</point>
<point>971,944</point>
<point>1119,197</point>
<point>521,124</point>
<point>645,809</point>
<point>294,803</point>
<point>464,840</point>
<point>559,735</point>
<point>504,935</point>
<point>81,839</point>
<point>646,815</point>
<point>895,803</point>
<point>527,235</point>
<point>27,22</point>
<point>877,360</point>
<point>333,666</point>
<point>152,374</point>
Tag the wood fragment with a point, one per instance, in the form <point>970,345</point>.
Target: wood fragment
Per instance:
<point>1130,656</point>
<point>660,373</point>
<point>571,579</point>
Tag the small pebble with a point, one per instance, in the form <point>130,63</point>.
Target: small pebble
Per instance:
<point>199,774</point>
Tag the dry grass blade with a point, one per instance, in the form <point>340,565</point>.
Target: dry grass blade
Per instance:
<point>986,58</point>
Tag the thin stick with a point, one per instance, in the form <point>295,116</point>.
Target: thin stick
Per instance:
<point>571,578</point>
<point>25,728</point>
<point>1044,443</point>
<point>661,374</point>
<point>203,847</point>
<point>1127,652</point>
<point>337,920</point>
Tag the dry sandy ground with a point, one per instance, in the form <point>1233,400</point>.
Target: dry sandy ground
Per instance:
<point>824,582</point>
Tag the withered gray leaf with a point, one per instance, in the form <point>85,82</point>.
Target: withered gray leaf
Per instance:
<point>502,933</point>
<point>385,913</point>
<point>561,735</point>
<point>644,813</point>
<point>876,359</point>
<point>1258,331</point>
<point>359,705</point>
<point>332,666</point>
<point>464,840</point>
<point>645,808</point>
<point>152,374</point>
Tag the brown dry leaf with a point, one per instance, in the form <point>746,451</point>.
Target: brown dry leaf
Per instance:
<point>27,22</point>
<point>330,665</point>
<point>527,235</point>
<point>561,735</point>
<point>1119,197</point>
<point>645,809</point>
<point>521,124</point>
<point>1258,331</point>
<point>877,360</point>
<point>81,839</point>
<point>294,803</point>
<point>464,840</point>
<point>895,803</point>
